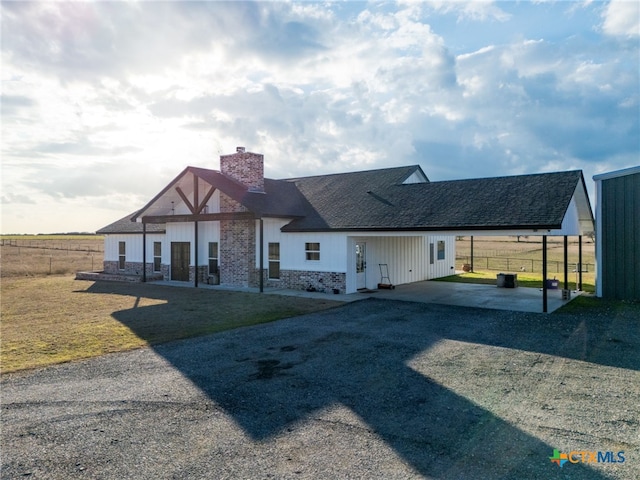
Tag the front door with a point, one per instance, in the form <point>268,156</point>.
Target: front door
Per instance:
<point>361,265</point>
<point>180,257</point>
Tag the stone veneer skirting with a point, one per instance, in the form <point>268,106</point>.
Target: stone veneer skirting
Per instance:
<point>130,268</point>
<point>303,280</point>
<point>135,268</point>
<point>115,277</point>
<point>291,279</point>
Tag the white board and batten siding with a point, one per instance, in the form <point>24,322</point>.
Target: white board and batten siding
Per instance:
<point>444,267</point>
<point>184,232</point>
<point>333,248</point>
<point>404,256</point>
<point>133,246</point>
<point>407,259</point>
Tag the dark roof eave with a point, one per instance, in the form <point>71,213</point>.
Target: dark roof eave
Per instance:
<point>425,228</point>
<point>131,233</point>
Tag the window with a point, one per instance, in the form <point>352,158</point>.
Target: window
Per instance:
<point>213,258</point>
<point>157,256</point>
<point>431,254</point>
<point>440,250</point>
<point>312,251</point>
<point>122,255</point>
<point>274,260</point>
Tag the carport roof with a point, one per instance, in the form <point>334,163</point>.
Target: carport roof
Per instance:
<point>348,202</point>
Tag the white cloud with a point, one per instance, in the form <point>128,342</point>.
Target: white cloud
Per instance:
<point>481,10</point>
<point>622,18</point>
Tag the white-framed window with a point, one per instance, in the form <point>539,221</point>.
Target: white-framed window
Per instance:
<point>312,251</point>
<point>213,258</point>
<point>274,261</point>
<point>440,250</point>
<point>157,256</point>
<point>122,255</point>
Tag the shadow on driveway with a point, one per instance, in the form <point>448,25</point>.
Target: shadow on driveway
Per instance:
<point>270,378</point>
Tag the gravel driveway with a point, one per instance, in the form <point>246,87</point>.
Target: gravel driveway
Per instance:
<point>372,389</point>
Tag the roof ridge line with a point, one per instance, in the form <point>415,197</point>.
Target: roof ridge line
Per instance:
<point>350,173</point>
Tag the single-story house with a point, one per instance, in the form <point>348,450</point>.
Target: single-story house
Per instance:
<point>338,232</point>
<point>618,234</point>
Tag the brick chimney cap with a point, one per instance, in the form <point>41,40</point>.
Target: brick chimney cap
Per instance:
<point>240,149</point>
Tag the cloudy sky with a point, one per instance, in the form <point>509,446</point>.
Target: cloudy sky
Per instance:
<point>104,103</point>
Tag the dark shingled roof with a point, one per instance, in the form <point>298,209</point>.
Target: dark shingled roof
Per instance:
<point>378,200</point>
<point>341,201</point>
<point>127,225</point>
<point>279,199</point>
<point>371,201</point>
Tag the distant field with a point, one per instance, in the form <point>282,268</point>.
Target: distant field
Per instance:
<point>38,255</point>
<point>526,253</point>
<point>506,254</point>
<point>36,238</point>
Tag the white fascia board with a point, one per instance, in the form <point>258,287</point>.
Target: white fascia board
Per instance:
<point>618,173</point>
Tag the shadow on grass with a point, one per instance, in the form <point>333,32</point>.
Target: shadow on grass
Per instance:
<point>189,312</point>
<point>272,378</point>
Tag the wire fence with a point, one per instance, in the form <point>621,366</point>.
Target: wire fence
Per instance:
<point>520,264</point>
<point>62,245</point>
<point>20,257</point>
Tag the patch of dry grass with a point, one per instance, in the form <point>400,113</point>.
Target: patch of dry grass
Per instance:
<point>29,256</point>
<point>54,319</point>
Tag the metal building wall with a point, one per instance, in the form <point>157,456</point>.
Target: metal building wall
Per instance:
<point>619,266</point>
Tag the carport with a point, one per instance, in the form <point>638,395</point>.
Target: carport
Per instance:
<point>472,295</point>
<point>540,205</point>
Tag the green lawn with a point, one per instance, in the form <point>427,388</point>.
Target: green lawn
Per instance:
<point>525,279</point>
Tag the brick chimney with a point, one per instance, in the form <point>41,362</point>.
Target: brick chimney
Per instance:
<point>245,167</point>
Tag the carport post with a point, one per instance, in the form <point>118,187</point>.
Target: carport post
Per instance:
<point>261,255</point>
<point>579,267</point>
<point>544,274</point>
<point>195,257</point>
<point>144,251</point>
<point>566,263</point>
